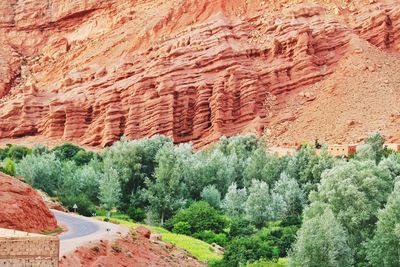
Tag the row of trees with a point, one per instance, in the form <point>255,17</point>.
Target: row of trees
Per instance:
<point>236,194</point>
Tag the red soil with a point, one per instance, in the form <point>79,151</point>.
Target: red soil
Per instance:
<point>22,208</point>
<point>135,250</point>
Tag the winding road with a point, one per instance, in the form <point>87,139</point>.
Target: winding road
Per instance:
<point>83,230</point>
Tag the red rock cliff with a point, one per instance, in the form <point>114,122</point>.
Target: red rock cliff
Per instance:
<point>22,208</point>
<point>195,70</point>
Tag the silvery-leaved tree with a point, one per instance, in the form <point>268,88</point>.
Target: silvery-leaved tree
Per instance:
<point>384,249</point>
<point>166,193</point>
<point>321,241</point>
<point>110,190</point>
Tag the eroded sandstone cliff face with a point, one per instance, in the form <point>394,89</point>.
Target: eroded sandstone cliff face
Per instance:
<point>195,70</point>
<point>22,208</point>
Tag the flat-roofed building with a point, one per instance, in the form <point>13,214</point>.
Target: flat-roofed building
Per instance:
<point>282,151</point>
<point>394,147</point>
<point>342,150</point>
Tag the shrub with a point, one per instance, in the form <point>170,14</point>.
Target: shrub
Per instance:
<point>211,237</point>
<point>9,167</point>
<point>18,152</point>
<point>85,206</point>
<point>281,237</point>
<point>266,263</point>
<point>66,151</point>
<point>182,228</point>
<point>241,227</point>
<point>83,157</point>
<point>243,250</point>
<point>136,214</point>
<point>201,217</point>
<point>39,149</point>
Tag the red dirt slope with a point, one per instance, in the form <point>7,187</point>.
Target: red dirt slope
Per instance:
<point>22,208</point>
<point>135,250</point>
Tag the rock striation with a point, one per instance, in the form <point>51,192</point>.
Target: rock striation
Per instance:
<point>22,208</point>
<point>93,71</point>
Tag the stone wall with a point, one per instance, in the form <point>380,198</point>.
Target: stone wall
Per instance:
<point>21,249</point>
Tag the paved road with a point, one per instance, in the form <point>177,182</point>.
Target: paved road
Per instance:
<point>83,230</point>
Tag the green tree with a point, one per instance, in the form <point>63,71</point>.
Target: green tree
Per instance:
<point>234,202</point>
<point>392,163</point>
<point>354,191</point>
<point>384,249</point>
<point>42,172</point>
<point>167,193</point>
<point>212,196</point>
<point>88,177</point>
<point>262,206</point>
<point>291,193</point>
<point>264,167</point>
<point>110,190</point>
<point>322,241</point>
<point>376,141</point>
<point>209,168</point>
<point>135,161</point>
<point>298,165</point>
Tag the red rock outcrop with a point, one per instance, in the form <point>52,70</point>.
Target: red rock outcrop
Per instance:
<point>22,208</point>
<point>92,71</point>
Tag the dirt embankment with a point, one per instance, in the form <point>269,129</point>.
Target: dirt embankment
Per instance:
<point>134,250</point>
<point>22,208</point>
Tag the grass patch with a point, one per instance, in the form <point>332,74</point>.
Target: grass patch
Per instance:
<point>56,231</point>
<point>199,249</point>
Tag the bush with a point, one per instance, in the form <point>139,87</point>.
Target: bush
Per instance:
<point>241,227</point>
<point>182,228</point>
<point>281,237</point>
<point>83,157</point>
<point>266,263</point>
<point>66,151</point>
<point>201,217</point>
<point>211,237</point>
<point>243,250</point>
<point>39,149</point>
<point>18,152</point>
<point>136,214</point>
<point>85,206</point>
<point>9,167</point>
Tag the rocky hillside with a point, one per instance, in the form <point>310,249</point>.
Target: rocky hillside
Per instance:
<point>22,208</point>
<point>92,71</point>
